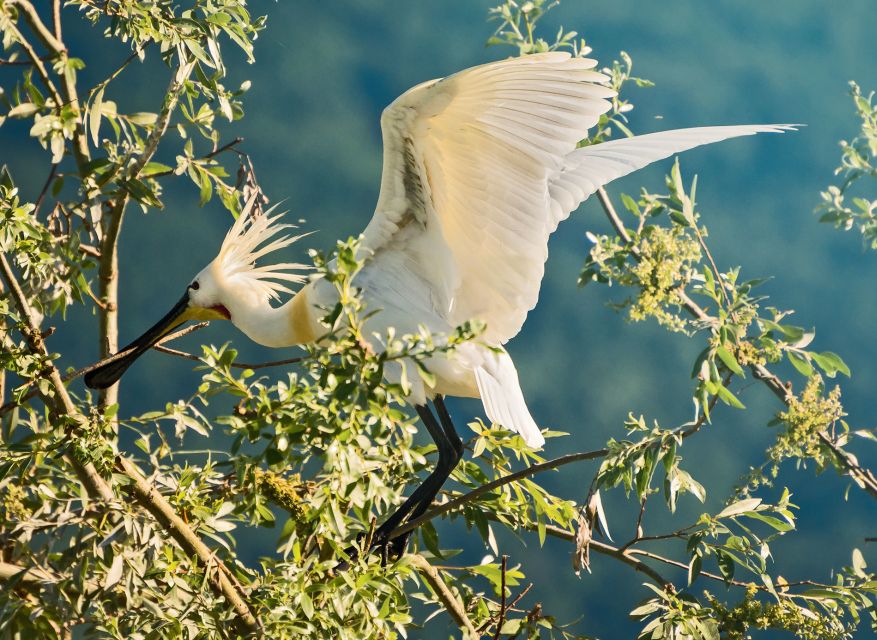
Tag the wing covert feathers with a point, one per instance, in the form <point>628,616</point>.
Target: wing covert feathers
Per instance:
<point>479,169</point>
<point>481,166</point>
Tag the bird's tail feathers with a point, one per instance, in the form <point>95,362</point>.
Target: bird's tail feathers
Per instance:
<point>504,401</point>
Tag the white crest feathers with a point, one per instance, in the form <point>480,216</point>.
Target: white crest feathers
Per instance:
<point>253,237</point>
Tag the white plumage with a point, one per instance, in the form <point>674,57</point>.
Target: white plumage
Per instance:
<point>479,169</point>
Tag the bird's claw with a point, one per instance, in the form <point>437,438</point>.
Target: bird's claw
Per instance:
<point>388,548</point>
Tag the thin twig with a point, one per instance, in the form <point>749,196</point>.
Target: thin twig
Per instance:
<point>684,431</point>
<point>115,74</point>
<point>56,18</point>
<point>714,576</point>
<point>502,601</point>
<point>450,505</point>
<point>510,607</point>
<point>36,24</point>
<point>609,550</point>
<point>235,365</point>
<point>226,147</point>
<point>37,61</point>
<point>108,270</point>
<point>4,62</point>
<point>175,88</point>
<point>45,189</point>
<point>863,477</point>
<point>53,43</point>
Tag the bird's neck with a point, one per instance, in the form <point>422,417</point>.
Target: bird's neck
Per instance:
<point>290,324</point>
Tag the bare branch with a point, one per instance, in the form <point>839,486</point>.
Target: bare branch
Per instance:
<point>36,24</point>
<point>451,602</point>
<point>459,501</point>
<point>37,61</point>
<point>235,365</point>
<point>44,190</point>
<point>608,550</point>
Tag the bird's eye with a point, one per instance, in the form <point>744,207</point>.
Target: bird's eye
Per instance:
<point>195,285</point>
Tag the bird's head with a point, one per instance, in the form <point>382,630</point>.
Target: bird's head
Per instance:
<point>230,285</point>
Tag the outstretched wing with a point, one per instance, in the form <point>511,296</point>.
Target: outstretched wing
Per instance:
<point>466,165</point>
<point>480,167</point>
<point>587,169</point>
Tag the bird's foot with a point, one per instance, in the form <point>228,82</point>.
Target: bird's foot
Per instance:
<point>388,548</point>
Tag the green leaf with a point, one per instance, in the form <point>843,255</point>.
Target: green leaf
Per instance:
<point>728,398</point>
<point>776,523</point>
<point>736,508</point>
<point>142,118</point>
<point>726,565</point>
<point>729,361</point>
<point>831,363</point>
<point>511,627</point>
<point>694,568</point>
<point>23,110</point>
<point>115,572</point>
<point>630,204</point>
<point>307,605</point>
<point>800,363</point>
<point>152,168</point>
<point>206,188</point>
<point>94,116</point>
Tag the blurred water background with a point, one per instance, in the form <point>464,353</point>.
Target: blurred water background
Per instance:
<point>324,72</point>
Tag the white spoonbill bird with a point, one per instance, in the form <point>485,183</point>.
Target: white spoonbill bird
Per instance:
<point>479,169</point>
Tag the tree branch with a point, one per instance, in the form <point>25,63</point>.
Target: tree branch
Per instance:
<point>862,476</point>
<point>36,24</point>
<point>608,550</point>
<point>218,574</point>
<point>37,61</point>
<point>145,494</point>
<point>108,271</point>
<point>226,147</point>
<point>234,365</point>
<point>452,603</point>
<point>459,501</point>
<point>81,372</point>
<point>61,402</point>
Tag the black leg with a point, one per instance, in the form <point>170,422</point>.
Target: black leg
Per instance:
<point>432,483</point>
<point>450,450</point>
<point>448,426</point>
<point>446,465</point>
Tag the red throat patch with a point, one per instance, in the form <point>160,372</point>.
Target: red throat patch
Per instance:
<point>220,309</point>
